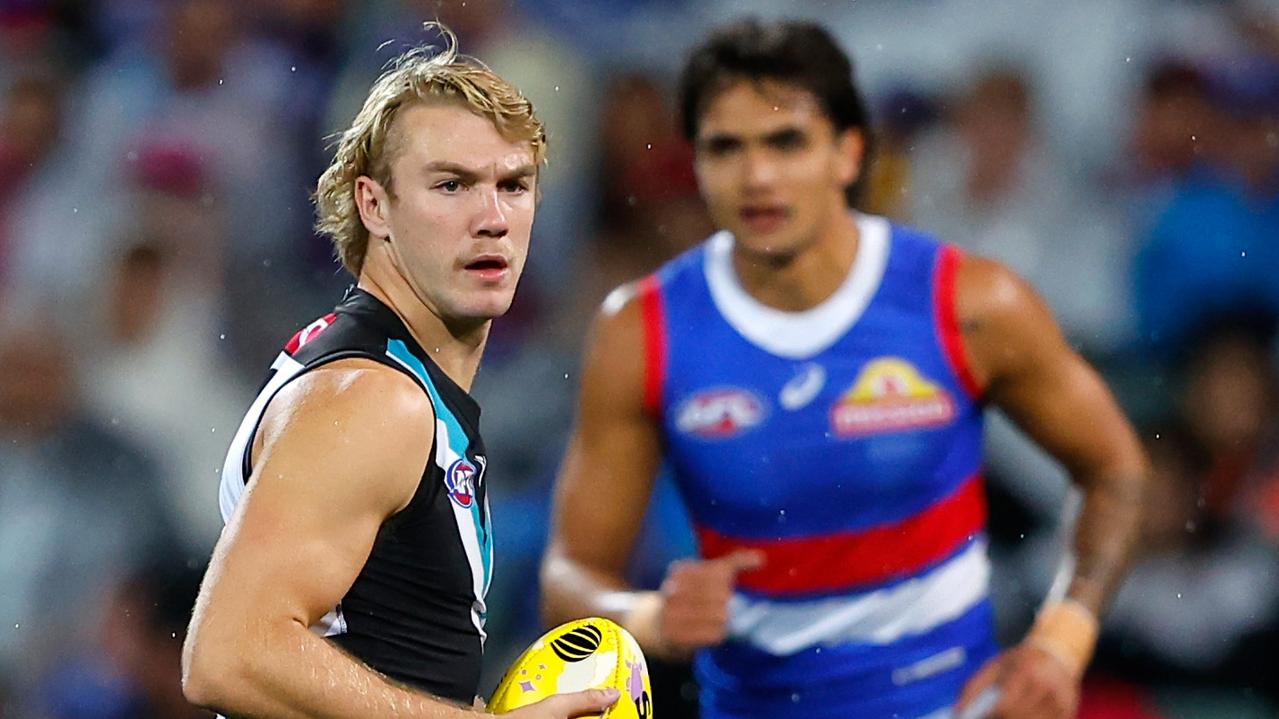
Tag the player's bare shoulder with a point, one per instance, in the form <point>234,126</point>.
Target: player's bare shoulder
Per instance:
<point>357,412</point>
<point>1005,324</point>
<point>616,342</point>
<point>622,304</point>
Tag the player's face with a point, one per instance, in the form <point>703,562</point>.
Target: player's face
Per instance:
<point>771,167</point>
<point>460,220</point>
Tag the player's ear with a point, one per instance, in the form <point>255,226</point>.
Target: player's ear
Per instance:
<point>850,149</point>
<point>372,200</point>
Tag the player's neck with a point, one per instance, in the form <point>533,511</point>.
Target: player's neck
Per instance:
<point>455,349</point>
<point>801,281</point>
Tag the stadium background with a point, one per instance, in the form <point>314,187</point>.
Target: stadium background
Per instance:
<point>155,252</point>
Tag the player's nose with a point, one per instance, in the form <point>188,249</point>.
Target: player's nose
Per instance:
<point>490,217</point>
<point>758,171</point>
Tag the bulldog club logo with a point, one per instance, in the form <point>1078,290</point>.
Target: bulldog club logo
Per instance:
<point>719,413</point>
<point>460,481</point>
<point>890,394</point>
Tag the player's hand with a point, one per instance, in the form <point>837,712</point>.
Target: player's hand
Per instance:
<point>695,598</point>
<point>564,706</point>
<point>1034,684</point>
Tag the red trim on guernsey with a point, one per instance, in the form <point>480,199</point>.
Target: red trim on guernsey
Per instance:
<point>850,560</point>
<point>654,324</point>
<point>947,319</point>
<point>308,333</point>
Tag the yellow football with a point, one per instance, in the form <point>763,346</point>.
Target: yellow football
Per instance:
<point>583,654</point>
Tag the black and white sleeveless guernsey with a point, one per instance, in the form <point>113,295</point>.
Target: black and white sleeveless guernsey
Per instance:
<point>416,611</point>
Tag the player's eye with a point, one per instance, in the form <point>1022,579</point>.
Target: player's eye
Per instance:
<point>720,146</point>
<point>514,186</point>
<point>788,141</point>
<point>450,186</point>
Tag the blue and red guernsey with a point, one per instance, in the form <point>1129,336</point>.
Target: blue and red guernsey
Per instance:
<point>844,442</point>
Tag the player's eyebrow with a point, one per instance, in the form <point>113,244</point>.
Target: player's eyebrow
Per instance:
<point>519,173</point>
<point>471,175</point>
<point>463,172</point>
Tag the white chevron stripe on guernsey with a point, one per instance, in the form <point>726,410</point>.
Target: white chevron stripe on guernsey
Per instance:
<point>445,456</point>
<point>880,617</point>
<point>451,445</point>
<point>233,479</point>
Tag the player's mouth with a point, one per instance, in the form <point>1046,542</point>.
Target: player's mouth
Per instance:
<point>490,268</point>
<point>763,219</point>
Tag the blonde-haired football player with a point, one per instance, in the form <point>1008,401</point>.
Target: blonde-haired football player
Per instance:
<point>351,578</point>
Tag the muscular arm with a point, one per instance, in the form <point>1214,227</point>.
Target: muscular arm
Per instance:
<point>607,476</point>
<point>339,451</point>
<point>1021,359</point>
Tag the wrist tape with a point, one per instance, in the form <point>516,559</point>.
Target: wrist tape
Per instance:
<point>1068,631</point>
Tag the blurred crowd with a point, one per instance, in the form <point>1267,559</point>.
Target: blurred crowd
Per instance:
<point>156,250</point>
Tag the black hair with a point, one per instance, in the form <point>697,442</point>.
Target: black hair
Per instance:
<point>798,53</point>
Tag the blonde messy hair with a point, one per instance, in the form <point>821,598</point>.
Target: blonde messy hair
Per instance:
<point>418,75</point>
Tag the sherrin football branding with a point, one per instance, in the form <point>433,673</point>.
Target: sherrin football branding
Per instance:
<point>578,644</point>
<point>890,394</point>
<point>584,654</point>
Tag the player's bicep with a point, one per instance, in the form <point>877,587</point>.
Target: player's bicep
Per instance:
<point>1034,375</point>
<point>342,455</point>
<point>607,475</point>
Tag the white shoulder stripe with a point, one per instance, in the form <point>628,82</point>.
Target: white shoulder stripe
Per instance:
<point>233,479</point>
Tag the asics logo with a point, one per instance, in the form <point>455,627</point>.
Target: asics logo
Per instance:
<point>803,387</point>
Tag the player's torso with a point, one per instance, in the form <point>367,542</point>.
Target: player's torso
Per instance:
<point>416,610</point>
<point>844,443</point>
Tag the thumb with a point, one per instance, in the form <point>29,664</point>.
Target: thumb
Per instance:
<point>591,701</point>
<point>984,678</point>
<point>743,560</point>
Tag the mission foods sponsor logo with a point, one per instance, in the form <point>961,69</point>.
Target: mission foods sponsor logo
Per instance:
<point>719,413</point>
<point>890,395</point>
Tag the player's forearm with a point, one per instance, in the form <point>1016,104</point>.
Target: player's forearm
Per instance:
<point>1107,532</point>
<point>1104,539</point>
<point>291,673</point>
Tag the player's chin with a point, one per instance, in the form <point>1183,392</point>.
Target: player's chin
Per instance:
<point>488,304</point>
<point>767,248</point>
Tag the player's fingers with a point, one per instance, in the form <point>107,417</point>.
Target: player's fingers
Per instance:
<point>1019,697</point>
<point>1038,702</point>
<point>576,704</point>
<point>742,560</point>
<point>985,677</point>
<point>697,585</point>
<point>695,615</point>
<point>1062,701</point>
<point>694,618</point>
